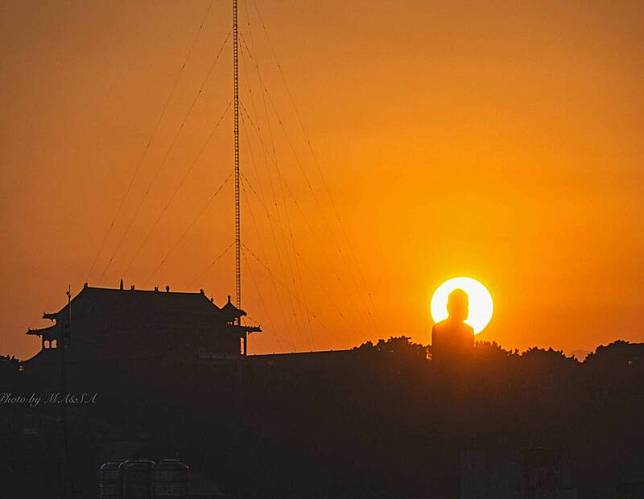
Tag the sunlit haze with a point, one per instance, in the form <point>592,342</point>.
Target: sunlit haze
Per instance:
<point>385,146</point>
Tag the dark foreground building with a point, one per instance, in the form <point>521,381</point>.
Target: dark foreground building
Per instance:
<point>515,474</point>
<point>119,323</point>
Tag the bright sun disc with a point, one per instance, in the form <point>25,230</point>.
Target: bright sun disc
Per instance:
<point>481,306</point>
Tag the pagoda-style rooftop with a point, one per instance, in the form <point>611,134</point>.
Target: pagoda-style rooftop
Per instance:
<point>147,319</point>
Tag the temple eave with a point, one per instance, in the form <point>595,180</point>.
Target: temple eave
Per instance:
<point>244,329</point>
<point>44,332</point>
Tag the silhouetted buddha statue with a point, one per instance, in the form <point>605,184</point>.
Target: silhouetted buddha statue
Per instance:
<point>452,339</point>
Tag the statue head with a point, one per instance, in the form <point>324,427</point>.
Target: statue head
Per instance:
<point>458,305</point>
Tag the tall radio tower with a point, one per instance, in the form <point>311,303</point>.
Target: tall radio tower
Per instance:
<point>238,299</point>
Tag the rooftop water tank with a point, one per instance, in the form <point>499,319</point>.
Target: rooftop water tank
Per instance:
<point>109,484</point>
<point>137,479</point>
<point>170,479</point>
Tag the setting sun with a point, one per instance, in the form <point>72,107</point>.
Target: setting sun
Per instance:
<point>481,305</point>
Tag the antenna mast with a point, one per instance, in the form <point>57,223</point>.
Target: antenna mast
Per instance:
<point>236,142</point>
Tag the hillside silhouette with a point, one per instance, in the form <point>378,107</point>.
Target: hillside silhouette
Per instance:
<point>381,420</point>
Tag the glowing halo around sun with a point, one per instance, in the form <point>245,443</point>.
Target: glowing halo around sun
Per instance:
<point>481,305</point>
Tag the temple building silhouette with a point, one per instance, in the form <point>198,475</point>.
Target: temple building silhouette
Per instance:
<point>132,323</point>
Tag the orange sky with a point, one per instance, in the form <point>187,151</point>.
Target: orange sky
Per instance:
<point>487,139</point>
